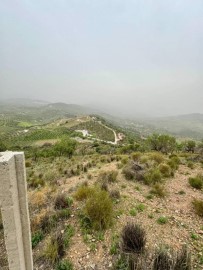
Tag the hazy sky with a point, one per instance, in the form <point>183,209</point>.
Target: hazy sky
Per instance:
<point>133,55</point>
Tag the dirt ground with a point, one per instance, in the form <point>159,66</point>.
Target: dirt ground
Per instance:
<point>182,222</point>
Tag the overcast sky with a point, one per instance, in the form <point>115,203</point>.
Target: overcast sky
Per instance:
<point>132,55</point>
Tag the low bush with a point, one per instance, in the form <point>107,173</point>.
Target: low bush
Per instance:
<point>196,182</point>
<point>48,222</point>
<point>174,163</point>
<point>28,164</point>
<point>140,207</point>
<point>190,164</point>
<point>157,157</point>
<point>115,194</point>
<point>134,171</point>
<point>114,245</point>
<point>83,192</point>
<point>68,233</point>
<point>163,260</point>
<point>162,220</point>
<point>165,170</point>
<point>63,214</point>
<point>153,176</point>
<point>133,212</point>
<point>36,238</point>
<point>55,248</point>
<point>128,173</point>
<point>158,190</point>
<point>36,182</point>
<point>108,176</point>
<point>62,201</point>
<point>183,260</point>
<point>198,207</point>
<point>136,156</point>
<point>99,209</point>
<point>64,265</point>
<point>133,238</point>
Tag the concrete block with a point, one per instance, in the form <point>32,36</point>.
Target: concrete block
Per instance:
<point>14,208</point>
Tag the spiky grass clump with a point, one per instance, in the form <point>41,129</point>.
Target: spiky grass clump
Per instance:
<point>165,170</point>
<point>108,176</point>
<point>133,238</point>
<point>55,248</point>
<point>163,260</point>
<point>62,201</point>
<point>196,182</point>
<point>183,260</point>
<point>198,207</point>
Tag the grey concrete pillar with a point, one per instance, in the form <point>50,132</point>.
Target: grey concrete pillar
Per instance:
<point>14,208</point>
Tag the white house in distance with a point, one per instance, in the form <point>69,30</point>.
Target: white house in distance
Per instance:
<point>84,132</point>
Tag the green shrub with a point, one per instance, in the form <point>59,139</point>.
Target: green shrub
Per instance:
<point>36,182</point>
<point>157,157</point>
<point>114,245</point>
<point>174,162</point>
<point>108,176</point>
<point>198,207</point>
<point>190,164</point>
<point>158,190</point>
<point>153,176</point>
<point>64,265</point>
<point>99,209</point>
<point>194,236</point>
<point>165,170</point>
<point>28,164</point>
<point>136,156</point>
<point>162,220</point>
<point>55,248</point>
<point>36,238</point>
<point>63,213</point>
<point>128,173</point>
<point>140,207</point>
<point>133,212</point>
<point>134,171</point>
<point>133,238</point>
<point>122,263</point>
<point>124,160</point>
<point>196,182</point>
<point>69,232</point>
<point>83,192</point>
<point>181,192</point>
<point>48,222</point>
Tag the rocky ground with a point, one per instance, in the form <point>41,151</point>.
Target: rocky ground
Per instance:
<point>182,226</point>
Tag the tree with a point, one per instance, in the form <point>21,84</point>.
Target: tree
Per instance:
<point>190,146</point>
<point>65,147</point>
<point>163,143</point>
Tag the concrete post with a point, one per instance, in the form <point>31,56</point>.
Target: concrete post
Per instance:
<point>14,208</point>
